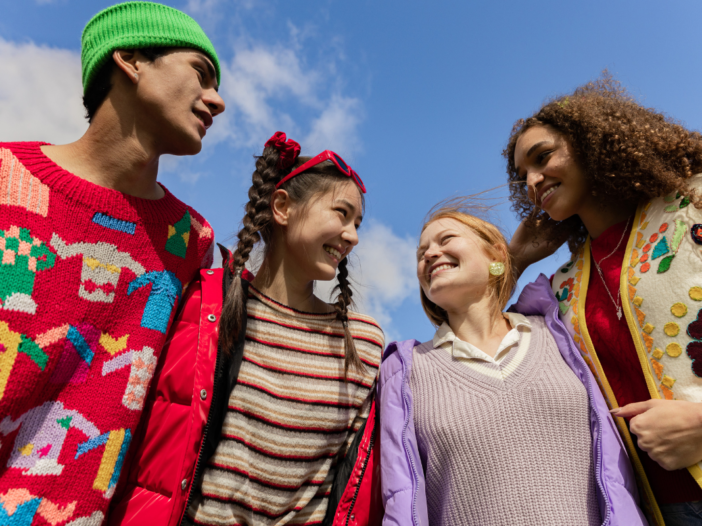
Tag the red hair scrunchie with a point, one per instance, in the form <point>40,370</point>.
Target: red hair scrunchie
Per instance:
<point>289,149</point>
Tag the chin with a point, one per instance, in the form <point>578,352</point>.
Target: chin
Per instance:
<point>189,145</point>
<point>556,215</point>
<point>326,273</point>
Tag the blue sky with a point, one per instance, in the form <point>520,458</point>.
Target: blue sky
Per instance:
<point>419,97</point>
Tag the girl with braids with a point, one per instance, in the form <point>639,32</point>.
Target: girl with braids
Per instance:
<point>496,420</point>
<point>262,406</point>
<point>617,182</point>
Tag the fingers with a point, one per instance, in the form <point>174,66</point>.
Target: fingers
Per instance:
<point>631,410</point>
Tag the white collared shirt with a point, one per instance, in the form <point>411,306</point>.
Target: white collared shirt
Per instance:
<point>444,338</point>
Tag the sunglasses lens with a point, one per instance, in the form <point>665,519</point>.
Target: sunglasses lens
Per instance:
<point>341,163</point>
<point>357,178</point>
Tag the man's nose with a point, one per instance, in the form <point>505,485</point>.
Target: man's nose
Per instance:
<point>214,102</point>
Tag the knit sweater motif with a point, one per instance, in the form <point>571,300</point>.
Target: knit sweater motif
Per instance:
<point>505,449</point>
<point>291,417</point>
<point>89,281</point>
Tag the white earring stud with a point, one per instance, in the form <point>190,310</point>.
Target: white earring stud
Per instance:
<point>497,268</point>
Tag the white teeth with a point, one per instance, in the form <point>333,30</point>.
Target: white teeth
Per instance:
<point>445,266</point>
<point>549,192</point>
<point>334,252</point>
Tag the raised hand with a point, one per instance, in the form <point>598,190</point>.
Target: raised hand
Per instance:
<point>670,431</point>
<point>534,241</point>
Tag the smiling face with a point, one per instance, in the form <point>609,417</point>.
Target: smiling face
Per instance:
<point>452,264</point>
<point>556,183</point>
<point>177,99</point>
<point>323,231</point>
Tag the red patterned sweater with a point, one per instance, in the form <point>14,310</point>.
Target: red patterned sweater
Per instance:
<point>89,281</point>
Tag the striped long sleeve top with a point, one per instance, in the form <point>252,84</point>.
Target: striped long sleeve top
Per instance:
<point>291,417</point>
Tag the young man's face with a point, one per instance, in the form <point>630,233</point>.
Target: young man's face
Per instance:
<point>177,100</point>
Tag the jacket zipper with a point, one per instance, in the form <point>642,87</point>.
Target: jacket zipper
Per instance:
<point>363,469</point>
<point>598,463</point>
<point>199,463</point>
<point>404,443</point>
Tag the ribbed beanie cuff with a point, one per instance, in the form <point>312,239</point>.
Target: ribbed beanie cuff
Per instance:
<point>135,25</point>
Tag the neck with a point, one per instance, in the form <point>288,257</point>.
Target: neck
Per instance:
<point>278,281</point>
<point>112,154</point>
<point>479,324</point>
<point>597,217</point>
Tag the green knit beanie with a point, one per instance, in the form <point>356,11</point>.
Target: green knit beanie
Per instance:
<point>135,25</point>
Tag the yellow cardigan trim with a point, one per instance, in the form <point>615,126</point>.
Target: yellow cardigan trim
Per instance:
<point>630,320</point>
<point>621,424</point>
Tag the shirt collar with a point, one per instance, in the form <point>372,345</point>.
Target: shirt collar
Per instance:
<point>445,337</point>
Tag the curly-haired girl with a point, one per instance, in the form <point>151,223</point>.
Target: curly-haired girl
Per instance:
<point>616,182</point>
<point>274,421</point>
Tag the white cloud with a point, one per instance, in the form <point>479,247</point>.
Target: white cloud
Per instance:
<point>383,269</point>
<point>336,127</point>
<point>40,94</point>
<point>199,6</point>
<point>256,84</point>
<point>271,88</point>
<point>209,8</point>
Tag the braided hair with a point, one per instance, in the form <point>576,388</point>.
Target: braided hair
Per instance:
<point>257,225</point>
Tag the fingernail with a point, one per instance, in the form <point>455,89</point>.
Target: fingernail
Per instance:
<point>615,410</point>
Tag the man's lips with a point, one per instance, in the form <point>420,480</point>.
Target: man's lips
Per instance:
<point>204,117</point>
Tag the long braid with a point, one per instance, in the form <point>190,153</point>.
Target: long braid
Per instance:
<point>258,219</point>
<point>343,302</point>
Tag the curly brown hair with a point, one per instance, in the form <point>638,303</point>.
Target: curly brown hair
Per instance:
<point>629,153</point>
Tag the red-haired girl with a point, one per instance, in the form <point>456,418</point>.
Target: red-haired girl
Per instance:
<point>497,419</point>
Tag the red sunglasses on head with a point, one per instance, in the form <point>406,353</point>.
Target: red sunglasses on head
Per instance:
<point>326,155</point>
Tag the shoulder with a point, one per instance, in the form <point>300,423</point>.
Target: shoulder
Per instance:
<point>362,325</point>
<point>27,153</point>
<point>367,332</point>
<point>195,229</point>
<point>695,181</point>
<point>200,224</point>
<point>21,145</point>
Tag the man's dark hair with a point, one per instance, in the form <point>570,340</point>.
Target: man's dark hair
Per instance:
<point>101,85</point>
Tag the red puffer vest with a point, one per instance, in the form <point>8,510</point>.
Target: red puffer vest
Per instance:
<point>183,416</point>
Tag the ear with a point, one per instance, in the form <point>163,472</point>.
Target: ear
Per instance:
<point>126,61</point>
<point>281,205</point>
<point>502,250</point>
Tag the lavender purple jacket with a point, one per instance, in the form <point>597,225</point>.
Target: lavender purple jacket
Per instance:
<point>402,477</point>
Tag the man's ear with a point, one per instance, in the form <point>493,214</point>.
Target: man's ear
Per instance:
<point>280,206</point>
<point>126,61</point>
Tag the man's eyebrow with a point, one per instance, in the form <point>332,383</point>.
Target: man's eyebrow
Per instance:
<point>210,68</point>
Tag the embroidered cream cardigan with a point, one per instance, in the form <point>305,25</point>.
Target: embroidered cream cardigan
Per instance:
<point>661,291</point>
